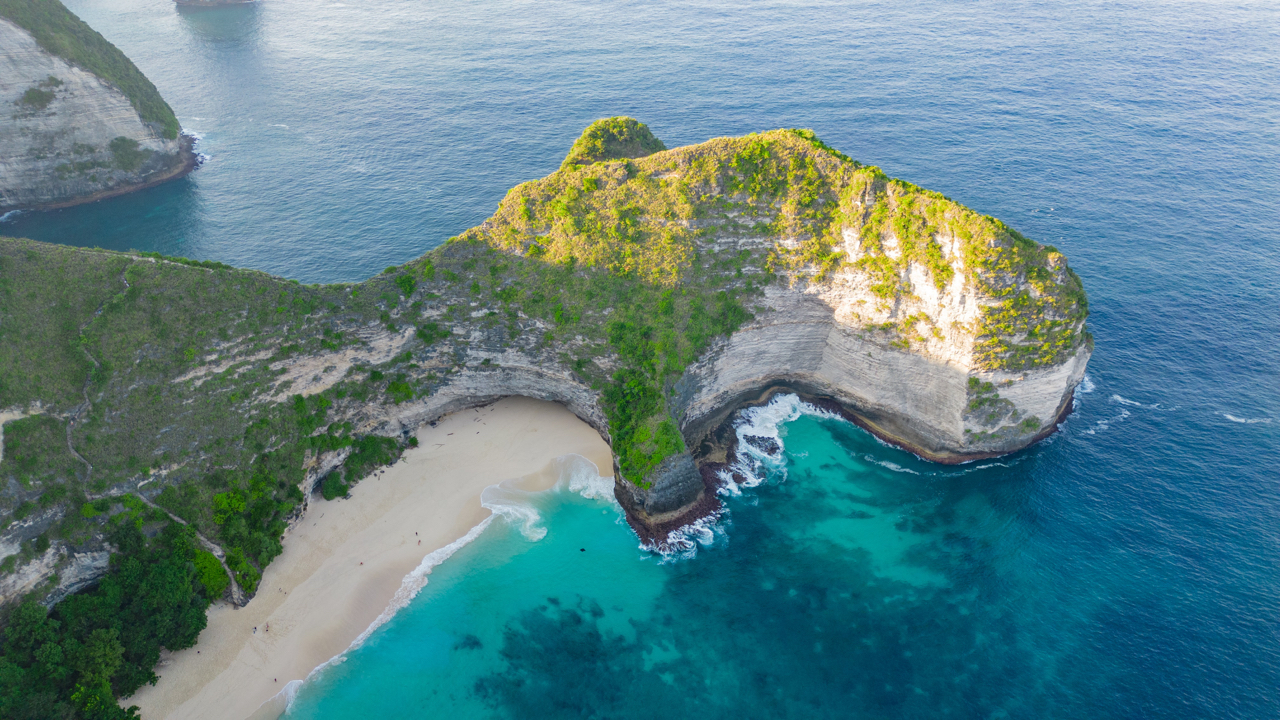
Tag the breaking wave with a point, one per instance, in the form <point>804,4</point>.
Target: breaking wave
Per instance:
<point>1104,425</point>
<point>895,467</point>
<point>683,542</point>
<point>1134,403</point>
<point>757,456</point>
<point>1246,421</point>
<point>760,447</point>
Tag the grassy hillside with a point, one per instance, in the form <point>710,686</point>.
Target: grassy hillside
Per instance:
<point>61,33</point>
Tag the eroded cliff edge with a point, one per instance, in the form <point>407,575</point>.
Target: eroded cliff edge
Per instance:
<point>651,291</point>
<point>78,122</point>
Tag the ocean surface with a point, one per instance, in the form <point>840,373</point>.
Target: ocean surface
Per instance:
<point>1128,567</point>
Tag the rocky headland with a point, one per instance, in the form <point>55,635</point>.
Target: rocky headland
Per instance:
<point>78,121</point>
<point>650,291</point>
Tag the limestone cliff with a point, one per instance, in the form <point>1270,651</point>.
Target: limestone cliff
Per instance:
<point>650,291</point>
<point>67,135</point>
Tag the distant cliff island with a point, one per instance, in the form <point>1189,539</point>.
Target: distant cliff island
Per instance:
<point>650,291</point>
<point>80,122</point>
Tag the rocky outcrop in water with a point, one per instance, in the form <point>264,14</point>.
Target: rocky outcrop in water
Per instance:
<point>68,136</point>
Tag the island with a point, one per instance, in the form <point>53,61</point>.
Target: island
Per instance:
<point>172,408</point>
<point>80,121</point>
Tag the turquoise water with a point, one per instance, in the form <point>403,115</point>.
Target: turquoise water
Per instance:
<point>1127,568</point>
<point>845,579</point>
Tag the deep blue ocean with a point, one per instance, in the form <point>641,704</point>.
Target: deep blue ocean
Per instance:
<point>1128,567</point>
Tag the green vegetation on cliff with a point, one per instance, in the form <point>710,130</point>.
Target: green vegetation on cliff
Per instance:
<point>102,644</point>
<point>61,33</point>
<point>612,139</point>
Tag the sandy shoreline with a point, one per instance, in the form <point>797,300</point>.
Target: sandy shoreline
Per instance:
<point>318,598</point>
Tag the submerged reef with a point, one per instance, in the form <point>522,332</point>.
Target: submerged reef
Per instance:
<point>651,291</point>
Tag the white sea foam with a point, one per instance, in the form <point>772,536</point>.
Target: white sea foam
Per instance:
<point>752,463</point>
<point>1246,421</point>
<point>991,464</point>
<point>286,127</point>
<point>1086,386</point>
<point>583,477</point>
<point>410,586</point>
<point>288,692</point>
<point>892,465</point>
<point>1103,425</point>
<point>683,542</point>
<point>1133,403</point>
<point>9,215</point>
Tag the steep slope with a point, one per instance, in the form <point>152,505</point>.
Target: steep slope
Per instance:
<point>80,122</point>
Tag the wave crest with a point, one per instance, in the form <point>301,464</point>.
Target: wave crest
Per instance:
<point>1246,421</point>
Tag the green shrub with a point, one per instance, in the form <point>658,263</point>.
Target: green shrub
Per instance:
<point>227,504</point>
<point>430,332</point>
<point>102,643</point>
<point>399,390</point>
<point>246,575</point>
<point>370,452</point>
<point>36,98</point>
<point>209,572</point>
<point>333,486</point>
<point>128,155</point>
<point>406,283</point>
<point>611,139</point>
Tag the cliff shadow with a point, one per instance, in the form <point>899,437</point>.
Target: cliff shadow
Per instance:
<point>222,23</point>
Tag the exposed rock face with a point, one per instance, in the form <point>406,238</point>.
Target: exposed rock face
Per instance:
<point>676,494</point>
<point>80,571</point>
<point>806,342</point>
<point>30,575</point>
<point>67,136</point>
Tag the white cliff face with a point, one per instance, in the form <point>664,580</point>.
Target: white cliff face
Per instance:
<point>809,341</point>
<point>68,136</point>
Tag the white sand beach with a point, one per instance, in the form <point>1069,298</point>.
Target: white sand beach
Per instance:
<point>342,565</point>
